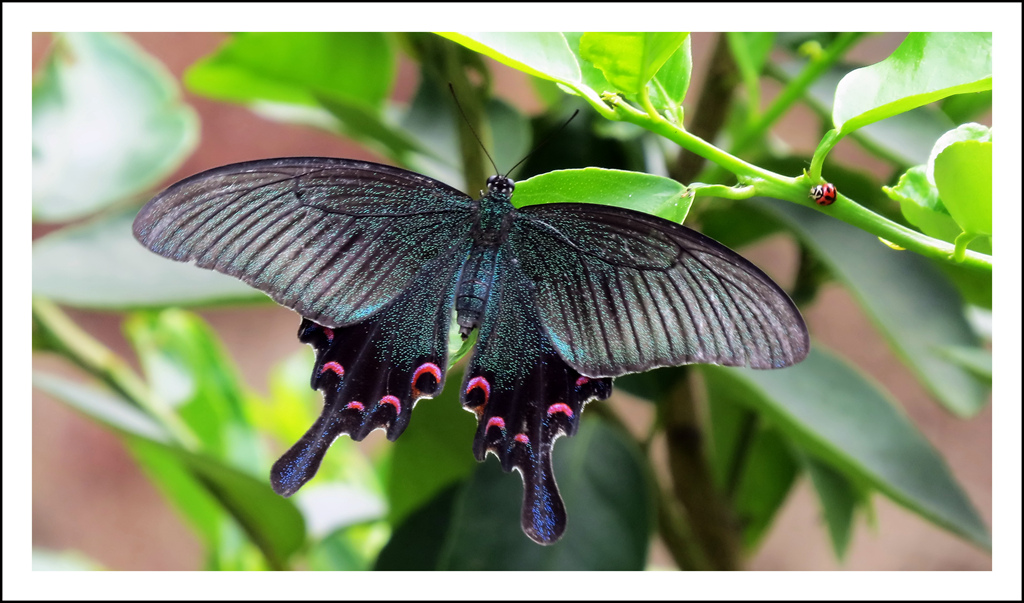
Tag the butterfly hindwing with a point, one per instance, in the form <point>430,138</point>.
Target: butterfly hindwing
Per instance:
<point>372,373</point>
<point>619,291</point>
<point>333,239</point>
<point>525,396</point>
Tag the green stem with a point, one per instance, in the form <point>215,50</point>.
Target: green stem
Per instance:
<point>712,108</point>
<point>81,349</point>
<point>769,184</point>
<point>721,191</point>
<point>673,524</point>
<point>796,88</point>
<point>675,532</point>
<point>473,165</point>
<point>709,516</point>
<point>748,429</point>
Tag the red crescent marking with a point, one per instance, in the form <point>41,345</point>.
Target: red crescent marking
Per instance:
<point>522,438</point>
<point>393,401</point>
<point>333,366</point>
<point>356,405</point>
<point>329,333</point>
<point>581,381</point>
<point>496,421</point>
<point>479,382</point>
<point>428,367</point>
<point>560,407</point>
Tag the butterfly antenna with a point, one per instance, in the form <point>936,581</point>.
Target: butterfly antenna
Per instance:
<point>475,135</point>
<point>544,142</point>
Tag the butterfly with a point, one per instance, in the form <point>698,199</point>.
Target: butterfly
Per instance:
<point>564,297</point>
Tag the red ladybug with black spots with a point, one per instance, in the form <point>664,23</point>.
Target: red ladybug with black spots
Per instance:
<point>824,194</point>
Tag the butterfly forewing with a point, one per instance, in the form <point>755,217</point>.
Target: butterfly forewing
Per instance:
<point>333,239</point>
<point>619,291</point>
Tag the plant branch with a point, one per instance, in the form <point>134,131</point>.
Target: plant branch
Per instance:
<point>769,184</point>
<point>796,88</point>
<point>673,526</point>
<point>712,108</point>
<point>67,339</point>
<point>692,483</point>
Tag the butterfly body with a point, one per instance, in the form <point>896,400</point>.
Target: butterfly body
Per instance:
<point>564,297</point>
<point>490,228</point>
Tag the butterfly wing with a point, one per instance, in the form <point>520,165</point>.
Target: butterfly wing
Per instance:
<point>372,373</point>
<point>525,396</point>
<point>620,291</point>
<point>368,254</point>
<point>333,239</point>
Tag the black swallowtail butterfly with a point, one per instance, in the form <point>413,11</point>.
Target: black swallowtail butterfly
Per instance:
<point>566,296</point>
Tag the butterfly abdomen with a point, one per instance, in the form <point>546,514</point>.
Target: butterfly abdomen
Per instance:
<point>474,287</point>
<point>480,269</point>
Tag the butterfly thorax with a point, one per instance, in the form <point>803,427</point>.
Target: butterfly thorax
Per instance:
<point>493,218</point>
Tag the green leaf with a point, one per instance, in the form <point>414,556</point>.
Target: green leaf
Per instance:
<point>547,55</point>
<point>369,128</point>
<point>921,206</point>
<point>911,303</point>
<point>905,138</point>
<point>839,499</point>
<point>768,475</point>
<point>476,526</point>
<point>433,453</point>
<point>62,561</point>
<point>100,265</point>
<point>963,132</point>
<point>919,201</point>
<point>187,368</point>
<point>103,407</point>
<point>655,195</point>
<point>353,548</point>
<point>298,68</point>
<point>108,124</point>
<point>963,175</point>
<point>629,60</point>
<point>974,285</point>
<point>963,108</point>
<point>831,411</point>
<point>431,122</point>
<point>750,51</point>
<point>273,523</point>
<point>734,226</point>
<point>925,68</point>
<point>751,463</point>
<point>976,360</point>
<point>670,84</point>
<point>177,484</point>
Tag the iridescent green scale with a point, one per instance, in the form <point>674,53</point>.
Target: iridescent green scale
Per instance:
<point>565,297</point>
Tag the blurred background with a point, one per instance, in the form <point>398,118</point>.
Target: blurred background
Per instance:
<point>88,495</point>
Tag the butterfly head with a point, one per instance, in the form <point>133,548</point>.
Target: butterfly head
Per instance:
<point>501,185</point>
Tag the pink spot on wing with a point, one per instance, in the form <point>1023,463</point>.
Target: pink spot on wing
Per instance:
<point>582,381</point>
<point>356,405</point>
<point>522,438</point>
<point>329,333</point>
<point>560,407</point>
<point>393,401</point>
<point>496,421</point>
<point>333,366</point>
<point>427,367</point>
<point>479,382</point>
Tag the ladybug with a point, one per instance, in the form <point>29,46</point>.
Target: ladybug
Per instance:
<point>824,194</point>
